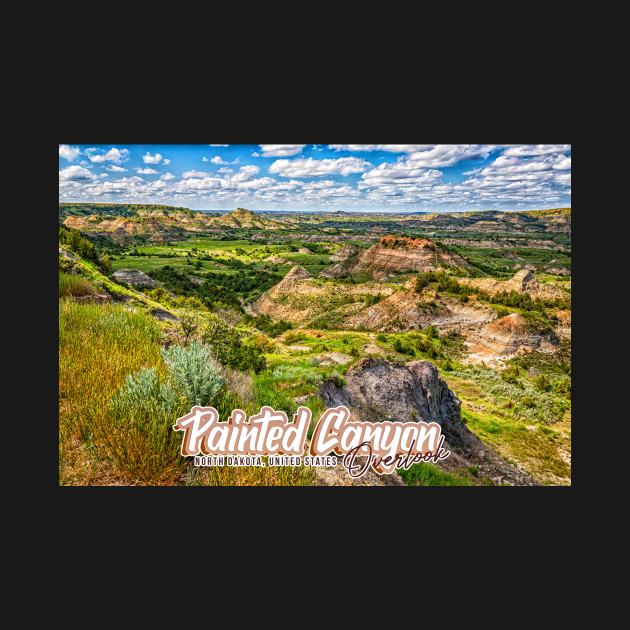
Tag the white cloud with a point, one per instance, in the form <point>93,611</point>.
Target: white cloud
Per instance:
<point>69,153</point>
<point>147,158</point>
<point>204,159</point>
<point>281,150</point>
<point>146,171</point>
<point>392,148</point>
<point>314,168</point>
<point>76,174</point>
<point>245,173</point>
<point>218,145</point>
<point>193,173</point>
<point>525,150</point>
<point>425,155</point>
<point>167,177</point>
<point>401,172</point>
<point>440,155</point>
<point>116,169</point>
<point>217,159</point>
<point>113,155</point>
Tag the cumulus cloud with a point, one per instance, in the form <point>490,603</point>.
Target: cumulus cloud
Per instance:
<point>439,155</point>
<point>193,173</point>
<point>245,173</point>
<point>401,172</point>
<point>146,171</point>
<point>217,159</point>
<point>147,158</point>
<point>115,155</point>
<point>69,153</point>
<point>528,150</point>
<point>76,174</point>
<point>281,150</point>
<point>314,168</point>
<point>392,148</point>
<point>116,169</point>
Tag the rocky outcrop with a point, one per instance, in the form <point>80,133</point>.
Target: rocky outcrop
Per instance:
<point>134,278</point>
<point>376,390</point>
<point>299,298</point>
<point>343,253</point>
<point>401,255</point>
<point>507,336</point>
<point>339,270</point>
<point>523,281</point>
<point>563,329</point>
<point>407,310</point>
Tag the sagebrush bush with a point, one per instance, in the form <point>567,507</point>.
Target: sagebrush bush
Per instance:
<point>297,373</point>
<point>142,392</point>
<point>195,373</point>
<point>145,408</point>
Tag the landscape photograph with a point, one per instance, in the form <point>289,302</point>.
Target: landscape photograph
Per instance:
<point>408,283</point>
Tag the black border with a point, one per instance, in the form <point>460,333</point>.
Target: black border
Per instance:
<point>491,118</point>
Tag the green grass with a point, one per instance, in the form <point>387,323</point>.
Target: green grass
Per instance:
<point>425,474</point>
<point>537,447</point>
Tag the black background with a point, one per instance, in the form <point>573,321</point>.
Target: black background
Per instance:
<point>451,539</point>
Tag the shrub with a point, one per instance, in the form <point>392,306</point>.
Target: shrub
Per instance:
<point>432,332</point>
<point>195,374</point>
<point>562,387</point>
<point>424,280</point>
<point>542,383</point>
<point>510,374</point>
<point>189,323</point>
<point>142,397</point>
<point>229,347</point>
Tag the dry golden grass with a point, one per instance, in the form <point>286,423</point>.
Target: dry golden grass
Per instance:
<point>98,347</point>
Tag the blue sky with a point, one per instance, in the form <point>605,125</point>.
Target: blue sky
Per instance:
<point>395,178</point>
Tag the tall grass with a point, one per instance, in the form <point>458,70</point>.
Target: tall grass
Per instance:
<point>71,285</point>
<point>98,347</point>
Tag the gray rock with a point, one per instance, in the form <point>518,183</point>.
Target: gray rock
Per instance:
<point>163,315</point>
<point>134,278</point>
<point>96,298</point>
<point>377,390</point>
